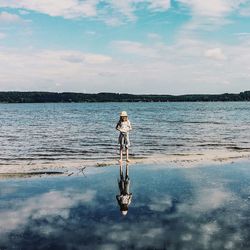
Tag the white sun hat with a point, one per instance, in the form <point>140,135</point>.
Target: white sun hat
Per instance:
<point>123,113</point>
<point>124,213</point>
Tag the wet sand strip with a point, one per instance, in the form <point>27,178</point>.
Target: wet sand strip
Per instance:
<point>29,174</point>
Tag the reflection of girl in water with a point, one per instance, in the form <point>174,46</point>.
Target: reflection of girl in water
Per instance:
<point>124,199</point>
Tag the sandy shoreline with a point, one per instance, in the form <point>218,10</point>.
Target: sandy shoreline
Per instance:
<point>68,168</point>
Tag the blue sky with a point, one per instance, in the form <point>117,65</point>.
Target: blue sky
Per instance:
<point>133,46</point>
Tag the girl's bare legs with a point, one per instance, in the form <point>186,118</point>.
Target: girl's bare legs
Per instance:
<point>127,159</point>
<point>120,154</point>
<point>127,170</point>
<point>120,168</point>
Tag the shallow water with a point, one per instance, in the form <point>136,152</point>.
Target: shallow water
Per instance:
<point>199,208</point>
<point>86,131</point>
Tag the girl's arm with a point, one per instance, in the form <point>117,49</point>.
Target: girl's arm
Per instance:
<point>118,126</point>
<point>129,125</point>
<point>130,198</point>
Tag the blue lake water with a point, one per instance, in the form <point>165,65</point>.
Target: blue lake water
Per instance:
<point>86,131</point>
<point>196,208</point>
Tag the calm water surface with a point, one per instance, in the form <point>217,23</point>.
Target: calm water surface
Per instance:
<point>191,209</point>
<point>86,131</point>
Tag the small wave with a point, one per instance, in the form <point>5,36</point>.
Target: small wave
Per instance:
<point>239,148</point>
<point>216,145</point>
<point>195,122</point>
<point>173,145</point>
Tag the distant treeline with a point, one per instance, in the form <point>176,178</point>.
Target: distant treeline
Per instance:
<point>42,97</point>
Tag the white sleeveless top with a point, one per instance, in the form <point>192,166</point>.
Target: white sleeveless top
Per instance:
<point>125,126</point>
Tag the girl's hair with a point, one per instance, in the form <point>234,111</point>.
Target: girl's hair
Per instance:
<point>123,207</point>
<point>119,122</point>
<point>123,116</point>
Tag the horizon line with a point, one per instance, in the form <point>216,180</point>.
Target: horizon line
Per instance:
<point>117,93</point>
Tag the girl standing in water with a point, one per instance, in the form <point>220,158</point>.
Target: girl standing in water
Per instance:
<point>124,127</point>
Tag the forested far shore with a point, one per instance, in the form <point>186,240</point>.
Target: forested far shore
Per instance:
<point>65,97</point>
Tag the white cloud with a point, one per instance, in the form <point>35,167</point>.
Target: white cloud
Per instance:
<point>212,8</point>
<point>65,8</point>
<point>160,5</point>
<point>77,57</point>
<point>215,54</point>
<point>154,36</point>
<point>23,12</point>
<point>90,33</point>
<point>245,11</point>
<point>211,198</point>
<point>209,15</point>
<point>208,231</point>
<point>113,21</point>
<point>161,205</point>
<point>9,18</point>
<point>49,204</point>
<point>135,48</point>
<point>208,24</point>
<point>153,232</point>
<point>207,197</point>
<point>2,35</point>
<point>129,7</point>
<point>242,34</point>
<point>190,65</point>
<point>115,12</point>
<point>44,69</point>
<point>125,7</point>
<point>97,59</point>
